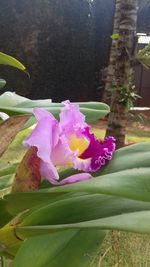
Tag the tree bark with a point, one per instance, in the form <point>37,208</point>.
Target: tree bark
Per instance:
<point>122,70</point>
<point>110,78</point>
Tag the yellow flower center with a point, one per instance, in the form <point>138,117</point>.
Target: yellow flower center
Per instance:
<point>78,144</point>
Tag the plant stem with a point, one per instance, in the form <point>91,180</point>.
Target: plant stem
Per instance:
<point>3,262</point>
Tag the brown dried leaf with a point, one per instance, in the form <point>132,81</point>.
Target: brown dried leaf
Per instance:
<point>28,177</point>
<point>9,129</point>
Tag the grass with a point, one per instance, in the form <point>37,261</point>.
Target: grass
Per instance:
<point>135,132</point>
<point>122,249</point>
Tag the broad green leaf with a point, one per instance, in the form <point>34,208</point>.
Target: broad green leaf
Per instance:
<point>50,209</point>
<point>38,103</point>
<point>137,222</point>
<point>132,156</point>
<point>79,208</point>
<point>47,103</point>
<point>131,183</point>
<point>93,105</point>
<point>11,61</point>
<point>11,99</point>
<point>69,248</point>
<point>18,202</point>
<point>92,111</point>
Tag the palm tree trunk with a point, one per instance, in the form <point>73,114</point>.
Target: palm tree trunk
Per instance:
<point>122,68</point>
<point>110,81</point>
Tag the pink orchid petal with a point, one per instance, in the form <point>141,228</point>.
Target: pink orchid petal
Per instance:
<point>71,119</point>
<point>81,164</point>
<point>76,178</point>
<point>60,155</point>
<point>41,137</point>
<point>49,172</point>
<point>44,137</point>
<point>40,113</point>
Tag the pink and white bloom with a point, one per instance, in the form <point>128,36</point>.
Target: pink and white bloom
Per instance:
<point>67,142</point>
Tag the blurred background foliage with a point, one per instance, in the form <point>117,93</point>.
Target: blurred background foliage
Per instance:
<point>61,44</point>
<point>64,45</point>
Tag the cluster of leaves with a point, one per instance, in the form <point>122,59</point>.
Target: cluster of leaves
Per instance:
<point>128,97</point>
<point>143,56</point>
<point>11,61</point>
<point>55,222</point>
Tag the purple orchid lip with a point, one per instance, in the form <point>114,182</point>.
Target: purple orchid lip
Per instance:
<point>99,152</point>
<point>67,141</point>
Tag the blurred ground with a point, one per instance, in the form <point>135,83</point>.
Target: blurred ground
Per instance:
<point>138,127</point>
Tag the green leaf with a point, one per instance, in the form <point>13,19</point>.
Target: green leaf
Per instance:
<point>137,222</point>
<point>8,169</point>
<point>11,99</point>
<point>5,215</point>
<point>92,110</point>
<point>69,248</point>
<point>6,179</point>
<point>133,184</point>
<point>115,36</point>
<point>11,61</point>
<point>62,210</point>
<point>18,202</point>
<point>129,157</point>
<point>47,102</point>
<point>118,198</point>
<point>9,162</point>
<point>78,208</point>
<point>5,184</point>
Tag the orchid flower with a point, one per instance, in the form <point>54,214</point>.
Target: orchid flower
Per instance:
<point>67,142</point>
